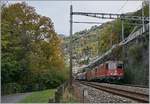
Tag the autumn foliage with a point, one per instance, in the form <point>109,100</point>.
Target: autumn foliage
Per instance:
<point>31,54</point>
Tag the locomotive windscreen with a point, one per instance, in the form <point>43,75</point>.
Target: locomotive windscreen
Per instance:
<point>120,66</point>
<point>112,65</point>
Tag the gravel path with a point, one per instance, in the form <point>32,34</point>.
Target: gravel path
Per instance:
<point>13,98</point>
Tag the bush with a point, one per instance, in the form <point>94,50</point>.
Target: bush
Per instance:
<point>10,88</point>
<point>136,52</point>
<point>136,70</point>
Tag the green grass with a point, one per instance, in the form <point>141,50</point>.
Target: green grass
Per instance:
<point>39,96</point>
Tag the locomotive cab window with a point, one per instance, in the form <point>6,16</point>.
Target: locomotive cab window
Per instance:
<point>96,68</point>
<point>120,66</point>
<point>112,65</point>
<point>106,65</point>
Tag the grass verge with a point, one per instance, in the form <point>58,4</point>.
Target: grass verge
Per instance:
<point>39,96</point>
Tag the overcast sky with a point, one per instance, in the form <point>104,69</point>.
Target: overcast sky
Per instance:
<point>59,11</point>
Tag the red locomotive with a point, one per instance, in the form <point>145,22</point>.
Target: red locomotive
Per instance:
<point>110,70</point>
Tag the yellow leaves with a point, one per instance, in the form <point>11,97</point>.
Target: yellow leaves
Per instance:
<point>48,55</point>
<point>108,37</point>
<point>31,40</point>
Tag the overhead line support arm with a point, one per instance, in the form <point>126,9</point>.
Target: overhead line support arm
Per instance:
<point>112,16</point>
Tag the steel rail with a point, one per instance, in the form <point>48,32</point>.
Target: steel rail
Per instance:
<point>140,97</point>
<point>115,83</point>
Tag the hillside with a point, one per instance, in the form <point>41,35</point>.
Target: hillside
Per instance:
<point>95,41</point>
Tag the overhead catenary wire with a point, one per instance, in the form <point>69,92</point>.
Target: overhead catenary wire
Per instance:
<point>4,3</point>
<point>122,6</point>
<point>139,7</point>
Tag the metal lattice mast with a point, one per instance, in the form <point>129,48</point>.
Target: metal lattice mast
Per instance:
<point>143,16</point>
<point>71,17</point>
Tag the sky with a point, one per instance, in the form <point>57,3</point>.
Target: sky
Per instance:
<point>59,11</point>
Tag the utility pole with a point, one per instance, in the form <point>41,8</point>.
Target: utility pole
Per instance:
<point>71,16</point>
<point>122,25</point>
<point>123,48</point>
<point>145,71</point>
<point>111,41</point>
<point>143,16</point>
<point>98,43</point>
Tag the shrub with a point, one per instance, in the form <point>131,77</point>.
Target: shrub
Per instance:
<point>136,52</point>
<point>10,88</point>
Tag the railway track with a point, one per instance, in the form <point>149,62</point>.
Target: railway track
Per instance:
<point>140,97</point>
<point>141,86</point>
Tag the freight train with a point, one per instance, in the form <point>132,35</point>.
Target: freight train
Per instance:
<point>107,71</point>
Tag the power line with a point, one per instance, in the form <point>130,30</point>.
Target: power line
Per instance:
<point>139,7</point>
<point>4,2</point>
<point>130,38</point>
<point>122,6</point>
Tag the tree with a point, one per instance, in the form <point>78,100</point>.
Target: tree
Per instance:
<point>30,47</point>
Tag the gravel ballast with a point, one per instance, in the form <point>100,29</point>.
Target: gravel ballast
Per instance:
<point>92,95</point>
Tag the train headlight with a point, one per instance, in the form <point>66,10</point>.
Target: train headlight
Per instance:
<point>115,73</point>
